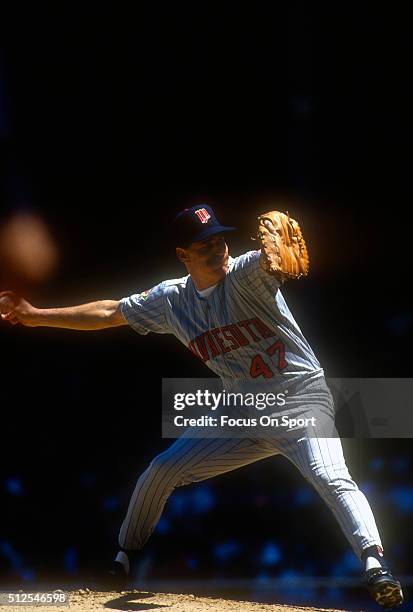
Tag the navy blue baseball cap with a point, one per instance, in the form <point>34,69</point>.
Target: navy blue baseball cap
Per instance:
<point>195,224</point>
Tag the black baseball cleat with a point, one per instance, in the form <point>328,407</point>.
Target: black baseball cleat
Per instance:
<point>117,578</point>
<point>384,588</point>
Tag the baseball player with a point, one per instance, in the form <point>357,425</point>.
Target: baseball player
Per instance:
<point>232,315</point>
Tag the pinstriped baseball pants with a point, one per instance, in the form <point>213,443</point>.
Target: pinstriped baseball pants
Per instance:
<point>319,459</point>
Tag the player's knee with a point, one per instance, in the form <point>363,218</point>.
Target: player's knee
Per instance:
<point>160,464</point>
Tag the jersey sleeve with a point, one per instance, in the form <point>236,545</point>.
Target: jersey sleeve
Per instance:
<point>145,312</point>
<point>247,274</point>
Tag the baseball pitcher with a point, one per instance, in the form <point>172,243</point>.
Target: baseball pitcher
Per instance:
<point>232,315</point>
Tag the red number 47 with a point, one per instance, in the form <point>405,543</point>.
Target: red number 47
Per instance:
<point>260,368</point>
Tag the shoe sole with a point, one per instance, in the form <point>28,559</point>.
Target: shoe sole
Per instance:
<point>388,595</point>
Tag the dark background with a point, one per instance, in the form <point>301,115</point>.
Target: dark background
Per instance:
<point>112,120</point>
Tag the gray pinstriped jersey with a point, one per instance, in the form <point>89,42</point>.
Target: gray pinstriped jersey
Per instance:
<point>244,330</point>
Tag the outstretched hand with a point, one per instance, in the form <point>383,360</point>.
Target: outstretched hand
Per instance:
<point>15,309</point>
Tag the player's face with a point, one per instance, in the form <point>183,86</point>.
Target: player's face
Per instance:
<point>207,259</point>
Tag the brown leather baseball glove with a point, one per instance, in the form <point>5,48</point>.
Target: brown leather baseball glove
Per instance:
<point>283,249</point>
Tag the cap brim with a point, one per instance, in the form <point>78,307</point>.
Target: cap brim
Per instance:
<point>210,231</point>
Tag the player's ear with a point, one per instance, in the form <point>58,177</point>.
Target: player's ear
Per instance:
<point>181,254</point>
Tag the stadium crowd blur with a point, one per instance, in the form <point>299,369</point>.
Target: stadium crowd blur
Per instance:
<point>108,126</point>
